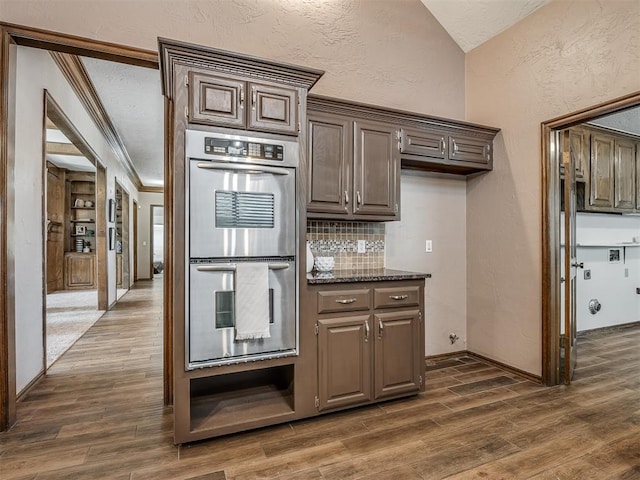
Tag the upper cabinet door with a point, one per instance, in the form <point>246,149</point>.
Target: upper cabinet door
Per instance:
<point>466,149</point>
<point>423,143</point>
<point>579,148</point>
<point>602,158</point>
<point>273,109</point>
<point>329,159</point>
<point>625,175</point>
<point>215,100</point>
<point>376,167</point>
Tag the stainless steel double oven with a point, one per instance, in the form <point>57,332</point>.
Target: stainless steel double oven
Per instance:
<point>241,207</point>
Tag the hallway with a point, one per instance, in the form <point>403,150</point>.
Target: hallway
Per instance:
<point>99,414</point>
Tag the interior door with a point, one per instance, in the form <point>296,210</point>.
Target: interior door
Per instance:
<point>55,228</point>
<point>568,337</point>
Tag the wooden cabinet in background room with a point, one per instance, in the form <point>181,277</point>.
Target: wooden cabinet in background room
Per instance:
<point>370,342</point>
<point>354,169</point>
<point>579,149</point>
<point>624,181</point>
<point>601,171</point>
<point>230,102</point>
<point>79,270</point>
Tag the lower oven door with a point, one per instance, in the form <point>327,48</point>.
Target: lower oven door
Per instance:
<point>210,320</point>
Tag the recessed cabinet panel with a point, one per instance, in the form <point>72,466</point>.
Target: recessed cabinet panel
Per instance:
<point>625,178</point>
<point>344,361</point>
<point>602,159</point>
<point>423,143</point>
<point>329,159</point>
<point>216,101</point>
<point>80,270</point>
<point>376,169</point>
<point>397,353</point>
<point>273,109</point>
<point>469,150</point>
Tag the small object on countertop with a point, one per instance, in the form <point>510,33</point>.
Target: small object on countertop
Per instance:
<point>324,264</point>
<point>310,259</point>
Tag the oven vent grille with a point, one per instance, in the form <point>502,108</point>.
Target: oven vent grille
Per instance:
<point>244,210</point>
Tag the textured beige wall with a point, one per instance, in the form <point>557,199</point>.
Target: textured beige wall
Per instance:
<point>389,52</point>
<point>566,56</point>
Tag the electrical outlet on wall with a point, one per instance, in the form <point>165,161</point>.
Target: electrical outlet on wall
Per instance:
<point>362,246</point>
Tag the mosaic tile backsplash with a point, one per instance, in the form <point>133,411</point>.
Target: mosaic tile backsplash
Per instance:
<point>340,240</point>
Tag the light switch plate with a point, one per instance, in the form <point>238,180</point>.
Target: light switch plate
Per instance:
<point>428,246</point>
<point>362,246</point>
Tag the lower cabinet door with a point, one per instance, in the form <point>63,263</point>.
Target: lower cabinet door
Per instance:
<point>397,353</point>
<point>80,270</point>
<point>344,361</point>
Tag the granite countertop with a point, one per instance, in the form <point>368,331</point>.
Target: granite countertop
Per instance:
<point>375,275</point>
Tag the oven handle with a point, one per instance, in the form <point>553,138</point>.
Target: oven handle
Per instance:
<point>230,267</point>
<point>243,167</point>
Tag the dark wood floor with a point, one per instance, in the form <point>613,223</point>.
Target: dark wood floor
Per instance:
<point>99,414</point>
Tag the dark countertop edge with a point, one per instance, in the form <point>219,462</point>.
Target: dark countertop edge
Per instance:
<point>375,276</point>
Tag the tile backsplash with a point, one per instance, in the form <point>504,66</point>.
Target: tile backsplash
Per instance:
<point>340,240</point>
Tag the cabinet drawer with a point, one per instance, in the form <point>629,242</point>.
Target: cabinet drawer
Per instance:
<point>344,300</point>
<point>396,297</point>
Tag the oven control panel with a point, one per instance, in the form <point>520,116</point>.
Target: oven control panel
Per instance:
<point>242,148</point>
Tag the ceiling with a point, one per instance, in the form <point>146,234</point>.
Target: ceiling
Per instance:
<point>133,100</point>
<point>472,22</point>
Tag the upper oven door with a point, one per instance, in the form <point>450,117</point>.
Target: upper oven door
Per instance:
<point>240,210</point>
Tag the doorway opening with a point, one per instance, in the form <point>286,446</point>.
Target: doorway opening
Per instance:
<point>591,202</point>
<point>122,241</point>
<point>73,212</point>
<point>157,240</point>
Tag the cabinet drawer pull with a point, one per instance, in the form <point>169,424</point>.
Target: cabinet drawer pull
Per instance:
<point>398,297</point>
<point>347,301</point>
<point>366,331</point>
<point>442,145</point>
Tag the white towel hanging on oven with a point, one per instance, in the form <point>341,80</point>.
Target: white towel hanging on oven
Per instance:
<point>252,301</point>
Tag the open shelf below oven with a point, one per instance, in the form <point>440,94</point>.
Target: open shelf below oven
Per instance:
<point>243,398</point>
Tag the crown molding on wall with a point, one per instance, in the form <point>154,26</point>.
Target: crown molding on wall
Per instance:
<point>149,189</point>
<point>72,68</point>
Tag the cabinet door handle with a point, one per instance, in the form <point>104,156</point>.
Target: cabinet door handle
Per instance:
<point>358,199</point>
<point>398,297</point>
<point>241,97</point>
<point>346,301</point>
<point>380,329</point>
<point>366,331</point>
<point>253,97</point>
<point>346,197</point>
<point>442,145</point>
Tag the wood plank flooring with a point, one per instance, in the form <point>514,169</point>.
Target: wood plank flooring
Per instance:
<point>99,414</point>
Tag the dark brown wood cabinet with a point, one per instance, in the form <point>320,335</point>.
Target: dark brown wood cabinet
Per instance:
<point>370,342</point>
<point>231,102</point>
<point>579,149</point>
<point>376,170</point>
<point>354,169</point>
<point>329,158</point>
<point>344,361</point>
<point>398,362</point>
